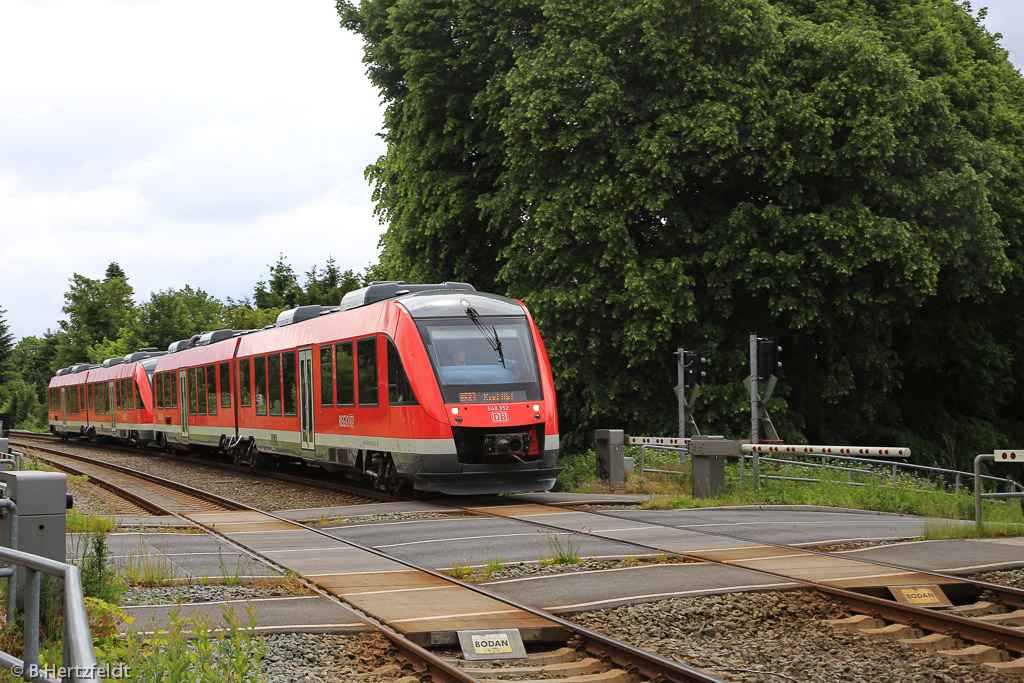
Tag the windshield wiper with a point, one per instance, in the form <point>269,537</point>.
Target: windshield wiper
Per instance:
<point>494,341</point>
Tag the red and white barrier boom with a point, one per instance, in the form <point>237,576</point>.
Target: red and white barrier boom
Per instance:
<point>852,451</point>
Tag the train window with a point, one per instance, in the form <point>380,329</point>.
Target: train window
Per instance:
<point>225,385</point>
<point>164,393</point>
<point>366,363</point>
<point>211,388</point>
<point>486,361</point>
<point>274,383</point>
<point>399,389</point>
<point>172,380</point>
<point>291,389</point>
<point>201,389</point>
<point>118,395</point>
<point>244,383</point>
<point>346,378</point>
<point>192,391</point>
<point>260,367</point>
<point>326,377</point>
<point>130,391</point>
<point>158,391</point>
<point>90,392</point>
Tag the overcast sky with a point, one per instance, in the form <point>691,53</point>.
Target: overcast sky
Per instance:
<point>191,142</point>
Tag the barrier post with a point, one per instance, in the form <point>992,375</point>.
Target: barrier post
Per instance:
<point>609,451</point>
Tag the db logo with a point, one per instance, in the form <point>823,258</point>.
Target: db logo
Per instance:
<point>499,417</point>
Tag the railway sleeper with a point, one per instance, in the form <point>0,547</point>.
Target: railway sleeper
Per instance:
<point>562,665</point>
<point>946,644</point>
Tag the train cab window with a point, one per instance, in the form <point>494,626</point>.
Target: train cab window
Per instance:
<point>399,389</point>
<point>139,405</point>
<point>244,383</point>
<point>260,367</point>
<point>225,385</point>
<point>211,388</point>
<point>192,403</point>
<point>366,364</point>
<point>291,388</point>
<point>274,383</point>
<point>346,378</point>
<point>326,377</point>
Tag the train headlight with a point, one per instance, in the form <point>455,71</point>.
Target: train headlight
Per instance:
<point>536,407</point>
<point>455,411</point>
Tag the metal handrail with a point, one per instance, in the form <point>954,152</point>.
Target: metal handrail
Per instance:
<point>80,664</point>
<point>896,467</point>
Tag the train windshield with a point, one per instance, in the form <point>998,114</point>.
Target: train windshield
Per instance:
<point>487,360</point>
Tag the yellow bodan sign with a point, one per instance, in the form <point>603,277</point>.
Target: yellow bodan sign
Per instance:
<point>492,644</point>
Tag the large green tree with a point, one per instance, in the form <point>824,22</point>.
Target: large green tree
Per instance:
<point>843,175</point>
<point>95,310</point>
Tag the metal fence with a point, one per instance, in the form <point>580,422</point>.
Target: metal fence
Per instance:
<point>79,660</point>
<point>848,465</point>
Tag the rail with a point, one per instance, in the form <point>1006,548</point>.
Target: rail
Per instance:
<point>79,660</point>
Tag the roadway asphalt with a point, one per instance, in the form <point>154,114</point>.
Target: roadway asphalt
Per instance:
<point>444,542</point>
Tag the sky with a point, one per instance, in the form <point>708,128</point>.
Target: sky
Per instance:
<point>192,142</point>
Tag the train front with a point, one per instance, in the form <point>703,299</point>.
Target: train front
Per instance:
<point>498,394</point>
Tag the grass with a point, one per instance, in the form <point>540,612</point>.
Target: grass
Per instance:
<point>84,522</point>
<point>562,550</point>
<point>461,570</point>
<point>146,570</point>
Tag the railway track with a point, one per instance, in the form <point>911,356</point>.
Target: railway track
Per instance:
<point>987,631</point>
<point>974,632</point>
<point>411,606</point>
<point>346,494</point>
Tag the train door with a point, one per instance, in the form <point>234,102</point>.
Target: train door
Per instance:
<point>64,407</point>
<point>306,398</point>
<point>183,401</point>
<point>112,388</point>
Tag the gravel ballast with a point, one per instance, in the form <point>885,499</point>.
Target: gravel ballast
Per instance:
<point>776,636</point>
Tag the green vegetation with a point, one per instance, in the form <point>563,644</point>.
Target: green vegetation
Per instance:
<point>192,650</point>
<point>908,495</point>
<point>145,569</point>
<point>461,570</point>
<point>84,522</point>
<point>562,549</point>
<point>103,321</point>
<point>846,176</point>
<point>99,580</point>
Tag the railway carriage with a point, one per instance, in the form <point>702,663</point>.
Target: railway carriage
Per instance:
<point>113,399</point>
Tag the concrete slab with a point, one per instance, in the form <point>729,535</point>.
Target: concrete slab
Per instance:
<point>297,614</point>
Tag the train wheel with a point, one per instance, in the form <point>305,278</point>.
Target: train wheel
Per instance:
<point>386,478</point>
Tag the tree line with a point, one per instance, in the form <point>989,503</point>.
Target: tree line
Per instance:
<point>102,320</point>
<point>845,175</point>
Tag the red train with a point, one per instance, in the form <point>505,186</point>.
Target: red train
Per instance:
<point>434,387</point>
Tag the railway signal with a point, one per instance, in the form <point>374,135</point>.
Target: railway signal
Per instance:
<point>768,353</point>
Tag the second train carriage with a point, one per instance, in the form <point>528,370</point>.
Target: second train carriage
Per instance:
<point>113,399</point>
<point>436,386</point>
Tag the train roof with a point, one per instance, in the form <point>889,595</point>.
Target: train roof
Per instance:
<point>309,325</point>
